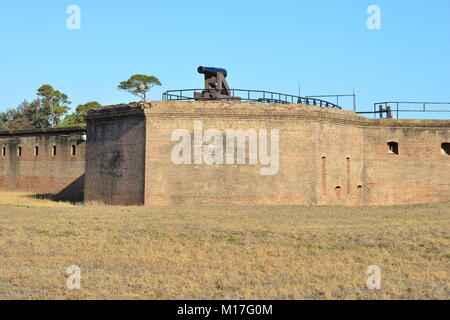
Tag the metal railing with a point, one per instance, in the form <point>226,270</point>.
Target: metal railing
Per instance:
<point>389,109</point>
<point>338,97</point>
<point>251,95</point>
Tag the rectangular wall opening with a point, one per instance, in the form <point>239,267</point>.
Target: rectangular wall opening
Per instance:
<point>348,173</point>
<point>393,147</point>
<point>445,148</point>
<point>338,193</point>
<point>324,175</point>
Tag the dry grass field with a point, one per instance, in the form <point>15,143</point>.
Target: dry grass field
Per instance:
<point>221,253</point>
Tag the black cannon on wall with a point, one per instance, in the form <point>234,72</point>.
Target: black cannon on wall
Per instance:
<point>212,71</point>
<point>216,87</point>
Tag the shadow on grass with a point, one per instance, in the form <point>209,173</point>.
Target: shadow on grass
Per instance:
<point>73,193</point>
<point>73,199</point>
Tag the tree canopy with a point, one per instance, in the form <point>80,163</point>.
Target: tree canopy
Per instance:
<point>26,116</point>
<point>55,104</point>
<point>78,118</point>
<point>139,85</point>
<point>49,110</point>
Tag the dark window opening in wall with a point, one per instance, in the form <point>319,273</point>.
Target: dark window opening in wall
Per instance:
<point>74,150</point>
<point>54,151</point>
<point>359,192</point>
<point>348,173</point>
<point>36,151</point>
<point>393,147</point>
<point>338,192</point>
<point>19,151</point>
<point>324,175</point>
<point>4,151</point>
<point>445,148</point>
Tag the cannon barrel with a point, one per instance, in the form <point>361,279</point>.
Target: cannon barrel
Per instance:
<point>211,71</point>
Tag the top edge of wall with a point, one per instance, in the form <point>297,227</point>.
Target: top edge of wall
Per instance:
<point>250,110</point>
<point>49,131</point>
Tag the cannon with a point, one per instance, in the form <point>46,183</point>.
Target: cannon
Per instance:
<point>216,87</point>
<point>212,71</point>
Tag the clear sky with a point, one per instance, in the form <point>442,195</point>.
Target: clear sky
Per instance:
<point>267,45</point>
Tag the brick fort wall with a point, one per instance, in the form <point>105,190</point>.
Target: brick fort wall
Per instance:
<point>43,161</point>
<point>326,157</point>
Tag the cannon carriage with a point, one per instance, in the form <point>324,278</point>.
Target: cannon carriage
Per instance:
<point>216,86</point>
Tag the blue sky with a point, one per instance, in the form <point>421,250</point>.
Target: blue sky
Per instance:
<point>268,45</point>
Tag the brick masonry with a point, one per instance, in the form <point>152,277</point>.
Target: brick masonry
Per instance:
<point>327,157</point>
<point>115,157</point>
<point>43,161</point>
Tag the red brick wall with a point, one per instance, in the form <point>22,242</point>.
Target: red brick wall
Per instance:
<point>307,134</point>
<point>61,174</point>
<point>327,157</point>
<point>115,158</point>
<point>338,163</point>
<point>167,183</point>
<point>419,173</point>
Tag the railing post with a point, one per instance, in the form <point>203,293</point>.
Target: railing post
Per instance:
<point>389,113</point>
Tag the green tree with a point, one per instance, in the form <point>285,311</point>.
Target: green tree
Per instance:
<point>54,103</point>
<point>139,85</point>
<point>11,119</point>
<point>36,114</point>
<point>25,116</point>
<point>78,118</point>
<point>3,120</point>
